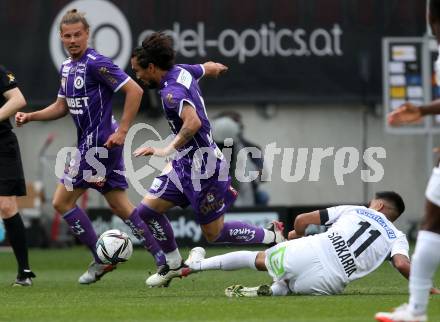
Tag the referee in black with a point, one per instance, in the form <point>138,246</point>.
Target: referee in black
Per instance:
<point>12,182</point>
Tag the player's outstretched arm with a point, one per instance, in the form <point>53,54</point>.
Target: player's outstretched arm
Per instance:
<point>214,69</point>
<point>133,96</point>
<point>14,102</point>
<point>409,113</point>
<point>403,265</point>
<point>191,124</point>
<point>302,221</point>
<point>54,111</point>
<point>405,114</point>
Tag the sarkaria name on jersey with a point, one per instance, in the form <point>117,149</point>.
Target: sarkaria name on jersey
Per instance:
<point>343,253</point>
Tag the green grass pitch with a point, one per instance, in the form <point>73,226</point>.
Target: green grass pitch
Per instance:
<point>123,296</point>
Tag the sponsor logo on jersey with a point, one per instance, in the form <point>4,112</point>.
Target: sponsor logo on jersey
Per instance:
<point>210,204</point>
<point>343,253</point>
<point>66,69</point>
<point>390,232</point>
<point>276,261</point>
<point>106,74</point>
<point>77,102</point>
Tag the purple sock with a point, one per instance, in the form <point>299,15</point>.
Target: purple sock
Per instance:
<point>81,226</point>
<point>160,227</point>
<point>238,232</point>
<point>141,231</point>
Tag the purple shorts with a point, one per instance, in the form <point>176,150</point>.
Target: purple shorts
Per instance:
<point>211,202</point>
<point>114,178</point>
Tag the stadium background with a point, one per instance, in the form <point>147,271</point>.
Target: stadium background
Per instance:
<point>314,81</point>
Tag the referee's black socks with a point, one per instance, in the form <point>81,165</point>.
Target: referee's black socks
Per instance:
<point>17,238</point>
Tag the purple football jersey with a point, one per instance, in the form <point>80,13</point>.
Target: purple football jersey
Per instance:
<point>178,87</point>
<point>88,85</point>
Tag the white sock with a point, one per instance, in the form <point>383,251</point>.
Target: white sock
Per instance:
<point>279,288</point>
<point>173,258</point>
<point>227,262</point>
<point>269,236</point>
<point>425,260</point>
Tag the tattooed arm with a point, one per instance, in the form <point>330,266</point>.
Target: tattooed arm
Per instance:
<point>191,124</point>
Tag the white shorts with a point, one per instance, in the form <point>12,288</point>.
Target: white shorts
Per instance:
<point>433,189</point>
<point>297,263</point>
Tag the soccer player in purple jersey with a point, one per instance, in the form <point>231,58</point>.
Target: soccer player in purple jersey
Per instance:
<point>88,81</point>
<point>210,196</point>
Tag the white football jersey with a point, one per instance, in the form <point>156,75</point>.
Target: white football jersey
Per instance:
<point>361,238</point>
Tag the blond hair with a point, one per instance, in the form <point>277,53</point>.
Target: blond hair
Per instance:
<point>73,16</point>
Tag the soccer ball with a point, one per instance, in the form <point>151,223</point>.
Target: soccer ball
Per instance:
<point>114,246</point>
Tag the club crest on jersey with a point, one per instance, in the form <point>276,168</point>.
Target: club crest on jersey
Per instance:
<point>79,82</point>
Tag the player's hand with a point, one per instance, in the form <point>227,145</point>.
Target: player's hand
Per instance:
<point>116,139</point>
<point>146,151</point>
<point>406,114</point>
<point>22,118</point>
<point>213,69</point>
<point>292,235</point>
<point>435,291</point>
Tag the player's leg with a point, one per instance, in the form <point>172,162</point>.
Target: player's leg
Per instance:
<point>240,232</point>
<point>425,260</point>
<point>226,262</point>
<point>64,201</point>
<point>162,196</point>
<point>12,184</point>
<point>121,206</point>
<point>17,238</point>
<point>152,211</point>
<point>212,202</point>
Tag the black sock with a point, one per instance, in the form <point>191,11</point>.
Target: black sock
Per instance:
<point>17,238</point>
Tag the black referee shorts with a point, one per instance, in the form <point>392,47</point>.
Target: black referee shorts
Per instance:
<point>11,169</point>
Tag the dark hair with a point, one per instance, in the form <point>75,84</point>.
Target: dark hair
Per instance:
<point>394,198</point>
<point>73,16</point>
<point>434,10</point>
<point>156,49</point>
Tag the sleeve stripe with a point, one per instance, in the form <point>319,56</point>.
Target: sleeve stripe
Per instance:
<point>122,84</point>
<point>181,105</point>
<point>61,96</point>
<point>203,72</point>
<point>323,213</point>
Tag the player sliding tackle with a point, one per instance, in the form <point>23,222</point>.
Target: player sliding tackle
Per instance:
<point>184,182</point>
<point>357,243</point>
